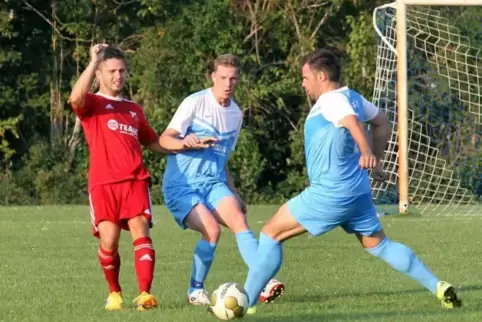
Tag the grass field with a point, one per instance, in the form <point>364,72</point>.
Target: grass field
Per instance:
<point>49,271</point>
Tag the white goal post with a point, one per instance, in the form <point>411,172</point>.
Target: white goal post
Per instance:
<point>414,33</point>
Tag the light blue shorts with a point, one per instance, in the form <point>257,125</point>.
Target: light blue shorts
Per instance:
<point>319,214</point>
<point>181,199</point>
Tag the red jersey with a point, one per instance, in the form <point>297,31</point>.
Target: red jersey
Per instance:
<point>114,129</point>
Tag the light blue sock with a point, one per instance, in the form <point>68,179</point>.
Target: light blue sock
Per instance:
<point>267,262</point>
<point>401,258</point>
<point>202,260</point>
<point>247,245</point>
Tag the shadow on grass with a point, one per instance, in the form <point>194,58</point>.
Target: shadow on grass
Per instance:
<point>323,297</point>
<point>416,314</point>
<point>319,317</point>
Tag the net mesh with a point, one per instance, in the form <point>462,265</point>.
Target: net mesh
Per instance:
<point>444,108</point>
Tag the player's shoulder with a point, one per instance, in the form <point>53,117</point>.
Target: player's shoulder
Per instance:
<point>198,96</point>
<point>341,94</point>
<point>195,100</point>
<point>132,104</point>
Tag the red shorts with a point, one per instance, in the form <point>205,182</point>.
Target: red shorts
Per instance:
<point>118,202</point>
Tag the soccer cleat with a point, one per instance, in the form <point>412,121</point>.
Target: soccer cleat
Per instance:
<point>272,291</point>
<point>113,302</point>
<point>446,293</point>
<point>251,310</point>
<point>145,301</point>
<point>198,297</point>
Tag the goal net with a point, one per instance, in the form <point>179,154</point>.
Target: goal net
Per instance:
<point>444,86</point>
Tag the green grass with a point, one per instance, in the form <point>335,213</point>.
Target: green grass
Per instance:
<point>49,271</point>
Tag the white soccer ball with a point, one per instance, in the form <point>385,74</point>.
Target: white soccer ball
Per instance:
<point>229,301</point>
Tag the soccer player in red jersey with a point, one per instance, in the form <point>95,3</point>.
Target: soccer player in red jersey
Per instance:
<point>115,129</point>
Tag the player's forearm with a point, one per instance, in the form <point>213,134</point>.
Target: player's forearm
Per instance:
<point>82,86</point>
<point>171,144</point>
<point>156,147</point>
<point>379,135</point>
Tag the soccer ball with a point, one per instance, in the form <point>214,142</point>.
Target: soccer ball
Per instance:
<point>229,301</point>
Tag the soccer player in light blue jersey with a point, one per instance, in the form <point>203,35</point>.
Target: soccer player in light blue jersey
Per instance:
<point>338,155</point>
<point>197,187</point>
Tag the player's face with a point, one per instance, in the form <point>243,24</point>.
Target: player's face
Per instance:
<point>311,82</point>
<point>225,79</point>
<point>112,75</point>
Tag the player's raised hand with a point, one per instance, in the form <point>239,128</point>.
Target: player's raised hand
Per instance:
<point>96,50</point>
<point>367,160</point>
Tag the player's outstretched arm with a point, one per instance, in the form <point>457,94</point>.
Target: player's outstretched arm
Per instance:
<point>353,124</point>
<point>82,86</point>
<point>156,147</point>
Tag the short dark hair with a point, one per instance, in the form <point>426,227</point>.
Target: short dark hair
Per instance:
<point>322,60</point>
<point>112,51</point>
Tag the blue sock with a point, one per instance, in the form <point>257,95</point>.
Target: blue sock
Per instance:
<point>267,262</point>
<point>202,260</point>
<point>247,245</point>
<point>401,258</point>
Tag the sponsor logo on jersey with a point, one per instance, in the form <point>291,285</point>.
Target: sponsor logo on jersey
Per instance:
<point>113,125</point>
<point>133,114</point>
<point>220,149</point>
<point>123,128</point>
<point>109,107</point>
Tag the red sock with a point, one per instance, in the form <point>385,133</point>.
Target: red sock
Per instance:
<point>144,261</point>
<point>110,263</point>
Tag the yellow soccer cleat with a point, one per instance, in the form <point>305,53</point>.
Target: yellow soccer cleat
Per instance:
<point>251,310</point>
<point>145,301</point>
<point>446,293</point>
<point>113,302</point>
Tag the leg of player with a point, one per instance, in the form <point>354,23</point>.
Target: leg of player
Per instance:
<point>201,220</point>
<point>228,213</point>
<point>110,262</point>
<point>269,255</point>
<point>144,261</point>
<point>401,258</point>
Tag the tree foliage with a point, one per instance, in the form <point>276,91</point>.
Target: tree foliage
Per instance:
<point>170,45</point>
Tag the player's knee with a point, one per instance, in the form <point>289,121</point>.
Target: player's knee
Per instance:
<point>271,231</point>
<point>371,241</point>
<point>211,232</point>
<point>109,235</point>
<point>138,226</point>
<point>109,243</point>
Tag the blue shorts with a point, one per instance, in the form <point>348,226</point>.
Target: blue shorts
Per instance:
<point>319,214</point>
<point>181,199</point>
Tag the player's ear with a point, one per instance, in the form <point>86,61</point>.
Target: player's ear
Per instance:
<point>213,76</point>
<point>321,76</point>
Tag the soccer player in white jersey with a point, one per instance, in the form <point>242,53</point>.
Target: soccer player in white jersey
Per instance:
<point>197,187</point>
<point>338,155</point>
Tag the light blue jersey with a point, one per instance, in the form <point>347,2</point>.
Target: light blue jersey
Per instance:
<point>202,115</point>
<point>339,191</point>
<point>198,176</point>
<point>332,155</point>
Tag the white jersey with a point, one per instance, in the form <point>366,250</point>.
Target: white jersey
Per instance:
<point>202,115</point>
